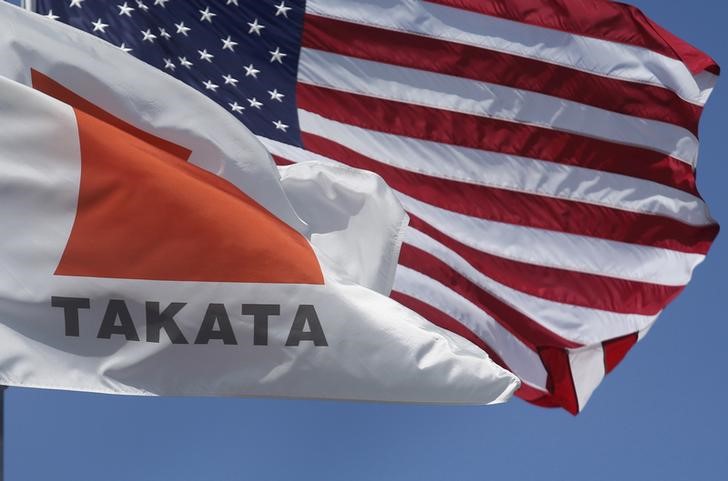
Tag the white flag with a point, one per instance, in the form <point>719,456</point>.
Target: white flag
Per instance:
<point>150,246</point>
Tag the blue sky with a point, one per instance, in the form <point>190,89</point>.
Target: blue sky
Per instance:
<point>660,416</point>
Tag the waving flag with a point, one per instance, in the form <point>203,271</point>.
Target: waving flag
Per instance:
<point>151,246</point>
<point>545,150</point>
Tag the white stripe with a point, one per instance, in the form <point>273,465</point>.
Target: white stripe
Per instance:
<point>587,371</point>
<point>591,55</point>
<point>512,172</point>
<point>643,332</point>
<point>518,356</point>
<point>430,89</point>
<point>575,323</point>
<point>706,82</point>
<point>291,152</point>
<point>560,250</point>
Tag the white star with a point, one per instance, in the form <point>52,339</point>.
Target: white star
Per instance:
<point>76,3</point>
<point>275,95</point>
<point>182,29</point>
<point>228,44</point>
<point>233,2</point>
<point>125,9</point>
<point>251,71</point>
<point>210,86</point>
<point>50,15</point>
<point>207,15</point>
<point>276,55</point>
<point>184,62</point>
<point>254,103</point>
<point>99,26</point>
<point>235,107</point>
<point>163,33</point>
<point>255,27</point>
<point>141,5</point>
<point>282,9</point>
<point>160,2</point>
<point>280,125</point>
<point>230,80</point>
<point>148,36</point>
<point>168,64</point>
<point>205,56</point>
<point>124,48</point>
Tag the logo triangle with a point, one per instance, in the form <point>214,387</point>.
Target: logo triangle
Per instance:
<point>144,212</point>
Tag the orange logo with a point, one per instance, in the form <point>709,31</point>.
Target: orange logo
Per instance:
<point>144,212</point>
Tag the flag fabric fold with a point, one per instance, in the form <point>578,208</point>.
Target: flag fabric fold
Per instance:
<point>150,246</point>
<point>352,217</point>
<point>544,150</point>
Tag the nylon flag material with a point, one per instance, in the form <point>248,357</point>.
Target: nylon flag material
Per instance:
<point>149,246</point>
<point>545,150</point>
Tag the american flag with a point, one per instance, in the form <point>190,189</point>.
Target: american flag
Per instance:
<point>544,149</point>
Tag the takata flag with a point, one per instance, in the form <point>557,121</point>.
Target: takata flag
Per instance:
<point>149,246</point>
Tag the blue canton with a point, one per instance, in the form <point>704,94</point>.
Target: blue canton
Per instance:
<point>243,54</point>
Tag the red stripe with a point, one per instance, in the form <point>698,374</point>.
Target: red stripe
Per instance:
<point>593,18</point>
<point>560,382</point>
<point>528,331</point>
<point>525,209</point>
<point>466,61</point>
<point>616,349</point>
<point>560,285</point>
<point>531,394</point>
<point>280,160</point>
<point>444,321</point>
<point>537,397</point>
<point>483,133</point>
